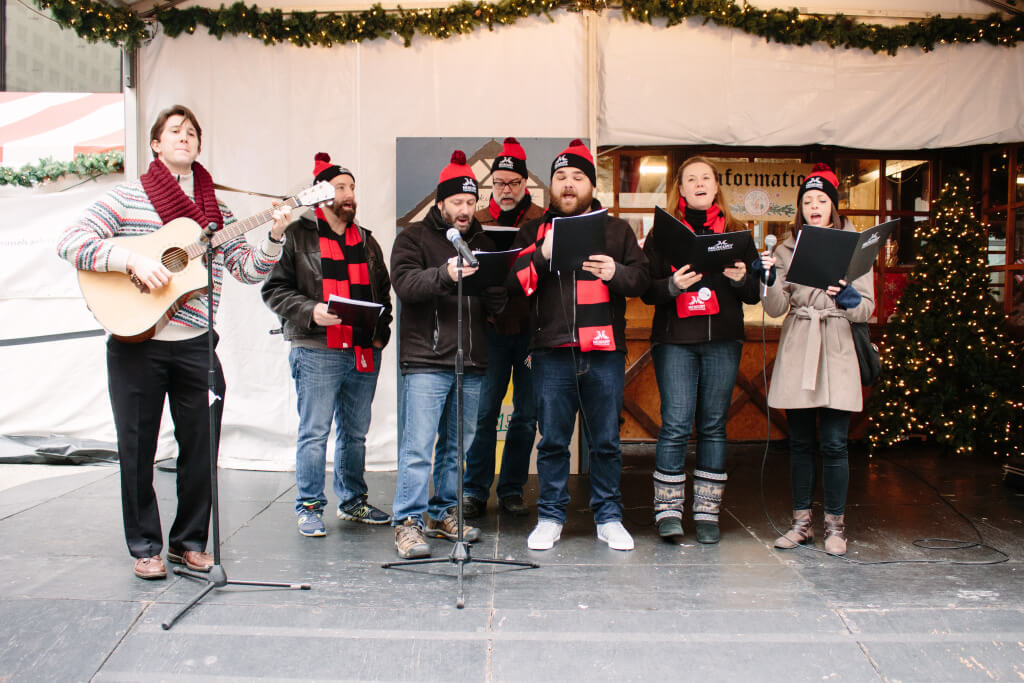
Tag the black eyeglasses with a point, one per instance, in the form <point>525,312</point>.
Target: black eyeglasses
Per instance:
<point>501,185</point>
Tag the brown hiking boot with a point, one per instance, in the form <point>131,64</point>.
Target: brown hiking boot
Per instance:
<point>409,540</point>
<point>835,534</point>
<point>448,527</point>
<point>800,533</point>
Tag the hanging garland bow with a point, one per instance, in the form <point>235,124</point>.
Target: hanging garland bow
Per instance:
<point>99,22</point>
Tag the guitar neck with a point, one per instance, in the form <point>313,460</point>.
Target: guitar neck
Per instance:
<point>242,227</point>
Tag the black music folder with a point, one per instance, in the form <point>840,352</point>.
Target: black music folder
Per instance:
<point>355,313</point>
<point>824,256</point>
<point>703,253</point>
<point>575,238</point>
<point>494,268</point>
<point>502,235</point>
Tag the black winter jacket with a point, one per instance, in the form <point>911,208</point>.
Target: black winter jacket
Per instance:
<point>428,321</point>
<point>669,328</point>
<point>295,286</point>
<point>553,304</point>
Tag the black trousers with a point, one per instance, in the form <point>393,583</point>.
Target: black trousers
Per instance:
<point>140,376</point>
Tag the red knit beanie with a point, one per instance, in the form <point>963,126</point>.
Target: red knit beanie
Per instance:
<point>821,178</point>
<point>576,155</point>
<point>456,178</point>
<point>324,170</point>
<point>512,158</point>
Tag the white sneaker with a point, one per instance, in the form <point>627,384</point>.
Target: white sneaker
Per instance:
<point>544,535</point>
<point>615,535</point>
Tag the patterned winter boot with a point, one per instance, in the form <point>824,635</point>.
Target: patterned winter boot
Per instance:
<point>708,488</point>
<point>669,496</point>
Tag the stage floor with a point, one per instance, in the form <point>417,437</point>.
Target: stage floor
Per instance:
<point>71,609</point>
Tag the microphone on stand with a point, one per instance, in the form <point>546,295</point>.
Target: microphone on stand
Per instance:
<point>455,237</point>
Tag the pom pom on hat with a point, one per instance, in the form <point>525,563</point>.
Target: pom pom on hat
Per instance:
<point>456,178</point>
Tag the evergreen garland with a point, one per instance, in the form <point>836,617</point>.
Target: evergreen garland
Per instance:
<point>97,21</point>
<point>84,165</point>
<point>948,370</point>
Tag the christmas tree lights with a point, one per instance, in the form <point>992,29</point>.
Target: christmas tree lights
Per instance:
<point>948,369</point>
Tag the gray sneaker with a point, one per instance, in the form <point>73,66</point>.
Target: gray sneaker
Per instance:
<point>361,511</point>
<point>311,521</point>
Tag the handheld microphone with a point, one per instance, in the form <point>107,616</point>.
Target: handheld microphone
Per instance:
<point>455,237</point>
<point>769,245</point>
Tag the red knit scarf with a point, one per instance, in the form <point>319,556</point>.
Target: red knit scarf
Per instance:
<point>345,273</point>
<point>593,302</point>
<point>171,202</point>
<point>715,221</point>
<point>512,216</point>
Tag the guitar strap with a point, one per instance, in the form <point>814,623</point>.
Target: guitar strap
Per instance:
<point>225,188</point>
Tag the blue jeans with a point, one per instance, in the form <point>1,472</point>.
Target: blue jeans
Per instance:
<point>832,427</point>
<point>331,390</point>
<point>506,356</point>
<point>564,381</point>
<point>429,415</point>
<point>694,380</point>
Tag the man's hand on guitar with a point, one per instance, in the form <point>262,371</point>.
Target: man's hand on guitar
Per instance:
<point>147,274</point>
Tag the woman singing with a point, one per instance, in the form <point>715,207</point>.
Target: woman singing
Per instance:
<point>697,338</point>
<point>816,377</point>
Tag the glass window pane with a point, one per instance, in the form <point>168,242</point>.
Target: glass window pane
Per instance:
<point>605,186</point>
<point>640,222</point>
<point>1019,179</point>
<point>997,238</point>
<point>1018,237</point>
<point>902,248</point>
<point>998,177</point>
<point>997,284</point>
<point>858,186</point>
<point>642,181</point>
<point>907,187</point>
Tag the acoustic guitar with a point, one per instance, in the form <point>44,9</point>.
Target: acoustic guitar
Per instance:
<point>133,316</point>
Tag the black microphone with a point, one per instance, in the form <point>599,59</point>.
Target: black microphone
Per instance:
<point>208,231</point>
<point>455,237</point>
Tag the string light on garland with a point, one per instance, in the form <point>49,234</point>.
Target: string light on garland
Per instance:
<point>97,21</point>
<point>47,170</point>
<point>948,370</point>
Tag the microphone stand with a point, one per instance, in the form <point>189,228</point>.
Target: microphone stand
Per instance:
<point>216,577</point>
<point>460,550</point>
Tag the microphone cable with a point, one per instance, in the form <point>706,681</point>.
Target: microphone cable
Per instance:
<point>929,543</point>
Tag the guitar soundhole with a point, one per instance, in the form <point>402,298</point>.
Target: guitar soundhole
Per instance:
<point>175,259</point>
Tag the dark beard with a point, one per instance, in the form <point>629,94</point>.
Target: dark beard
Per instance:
<point>343,214</point>
<point>582,204</point>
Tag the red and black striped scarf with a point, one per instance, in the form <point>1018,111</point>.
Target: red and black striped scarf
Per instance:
<point>592,299</point>
<point>345,273</point>
<point>171,202</point>
<point>715,221</point>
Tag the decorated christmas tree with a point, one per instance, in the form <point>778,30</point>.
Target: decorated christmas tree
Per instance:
<point>948,369</point>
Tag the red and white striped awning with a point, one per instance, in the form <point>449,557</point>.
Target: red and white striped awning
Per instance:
<point>35,126</point>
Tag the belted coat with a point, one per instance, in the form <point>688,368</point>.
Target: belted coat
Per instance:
<point>816,365</point>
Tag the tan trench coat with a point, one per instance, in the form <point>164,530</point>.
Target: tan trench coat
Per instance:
<point>816,365</point>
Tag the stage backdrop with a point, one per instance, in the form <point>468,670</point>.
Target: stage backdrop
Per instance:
<point>266,111</point>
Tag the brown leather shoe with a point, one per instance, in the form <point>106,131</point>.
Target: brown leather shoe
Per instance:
<point>800,533</point>
<point>195,560</point>
<point>150,568</point>
<point>835,534</point>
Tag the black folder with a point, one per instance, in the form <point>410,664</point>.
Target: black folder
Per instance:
<point>703,253</point>
<point>355,313</point>
<point>824,256</point>
<point>503,236</point>
<point>576,238</point>
<point>494,268</point>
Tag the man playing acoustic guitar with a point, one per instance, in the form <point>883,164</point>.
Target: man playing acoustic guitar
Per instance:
<point>173,361</point>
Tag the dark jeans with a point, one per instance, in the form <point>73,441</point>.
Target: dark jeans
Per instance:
<point>564,382</point>
<point>139,376</point>
<point>506,356</point>
<point>831,427</point>
<point>694,380</point>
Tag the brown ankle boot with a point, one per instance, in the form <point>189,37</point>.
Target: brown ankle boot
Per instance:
<point>801,531</point>
<point>835,534</point>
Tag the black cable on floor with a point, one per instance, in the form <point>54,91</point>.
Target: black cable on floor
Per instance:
<point>923,543</point>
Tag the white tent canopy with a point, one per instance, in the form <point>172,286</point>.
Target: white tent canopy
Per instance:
<point>266,111</point>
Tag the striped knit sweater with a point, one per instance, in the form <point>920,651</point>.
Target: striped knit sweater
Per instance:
<point>125,210</point>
